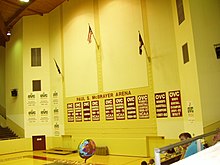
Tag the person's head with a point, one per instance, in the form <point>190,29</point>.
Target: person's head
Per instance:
<point>151,161</point>
<point>184,136</point>
<point>216,138</point>
<point>143,163</point>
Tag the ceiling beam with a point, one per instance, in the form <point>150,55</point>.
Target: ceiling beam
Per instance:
<point>18,14</point>
<point>17,5</point>
<point>3,31</point>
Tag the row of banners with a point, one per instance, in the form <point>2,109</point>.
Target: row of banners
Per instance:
<point>130,107</point>
<point>43,108</point>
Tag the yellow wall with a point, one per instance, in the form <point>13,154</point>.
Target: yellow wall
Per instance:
<point>14,76</point>
<point>79,56</point>
<point>112,66</point>
<point>36,35</point>
<point>2,76</point>
<point>56,52</point>
<point>188,72</point>
<point>164,60</point>
<point>25,144</point>
<point>206,33</point>
<point>121,136</point>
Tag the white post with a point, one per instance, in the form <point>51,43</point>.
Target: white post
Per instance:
<point>157,156</point>
<point>199,145</point>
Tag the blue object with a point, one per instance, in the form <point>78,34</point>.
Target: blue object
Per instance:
<point>192,149</point>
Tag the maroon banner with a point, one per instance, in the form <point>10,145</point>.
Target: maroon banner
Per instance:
<point>175,103</point>
<point>78,111</point>
<point>95,110</point>
<point>109,109</point>
<point>86,111</point>
<point>143,107</point>
<point>161,105</point>
<point>120,108</point>
<point>131,107</point>
<point>70,112</point>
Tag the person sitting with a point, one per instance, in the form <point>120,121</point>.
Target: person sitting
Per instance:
<point>216,138</point>
<point>143,163</point>
<point>189,148</point>
<point>151,162</point>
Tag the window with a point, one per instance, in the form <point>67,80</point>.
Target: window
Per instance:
<point>35,57</point>
<point>180,11</point>
<point>217,50</point>
<point>185,53</point>
<point>36,85</point>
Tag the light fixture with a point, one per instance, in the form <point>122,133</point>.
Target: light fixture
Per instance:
<point>24,0</point>
<point>8,33</point>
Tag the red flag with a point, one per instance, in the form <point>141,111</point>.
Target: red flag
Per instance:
<point>90,33</point>
<point>141,43</point>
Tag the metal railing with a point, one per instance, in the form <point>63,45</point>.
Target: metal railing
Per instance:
<point>158,151</point>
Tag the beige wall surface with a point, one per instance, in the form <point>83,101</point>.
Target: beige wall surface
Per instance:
<point>56,79</point>
<point>79,56</point>
<point>164,60</point>
<point>110,67</point>
<point>2,76</point>
<point>123,67</point>
<point>188,72</point>
<point>14,76</point>
<point>205,24</point>
<point>36,35</point>
<point>113,67</point>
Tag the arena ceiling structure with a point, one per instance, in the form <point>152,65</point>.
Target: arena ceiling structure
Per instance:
<point>11,11</point>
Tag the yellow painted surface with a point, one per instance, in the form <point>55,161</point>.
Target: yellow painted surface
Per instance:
<point>206,34</point>
<point>114,66</point>
<point>2,76</point>
<point>14,76</point>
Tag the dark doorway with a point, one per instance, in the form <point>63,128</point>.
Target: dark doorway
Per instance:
<point>39,142</point>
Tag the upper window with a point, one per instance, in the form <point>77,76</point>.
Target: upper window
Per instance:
<point>180,11</point>
<point>185,53</point>
<point>35,56</point>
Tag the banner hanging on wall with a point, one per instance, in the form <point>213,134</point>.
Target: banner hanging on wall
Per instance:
<point>95,110</point>
<point>161,105</point>
<point>175,103</point>
<point>120,108</point>
<point>70,112</point>
<point>131,107</point>
<point>143,107</point>
<point>78,111</point>
<point>121,105</point>
<point>109,109</point>
<point>86,111</point>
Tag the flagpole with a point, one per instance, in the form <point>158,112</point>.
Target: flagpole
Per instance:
<point>148,57</point>
<point>94,37</point>
<point>58,68</point>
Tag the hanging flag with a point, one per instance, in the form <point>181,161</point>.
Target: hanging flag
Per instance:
<point>58,68</point>
<point>141,43</point>
<point>90,33</point>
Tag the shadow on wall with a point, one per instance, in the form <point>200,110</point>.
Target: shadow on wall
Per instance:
<point>2,111</point>
<point>2,117</point>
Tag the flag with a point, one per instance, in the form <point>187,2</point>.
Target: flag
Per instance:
<point>58,68</point>
<point>90,33</point>
<point>141,43</point>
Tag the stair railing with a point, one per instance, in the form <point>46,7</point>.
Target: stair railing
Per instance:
<point>158,151</point>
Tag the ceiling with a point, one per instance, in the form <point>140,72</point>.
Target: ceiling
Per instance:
<point>11,11</point>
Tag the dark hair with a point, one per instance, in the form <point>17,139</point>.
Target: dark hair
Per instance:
<point>143,163</point>
<point>186,135</point>
<point>151,161</point>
